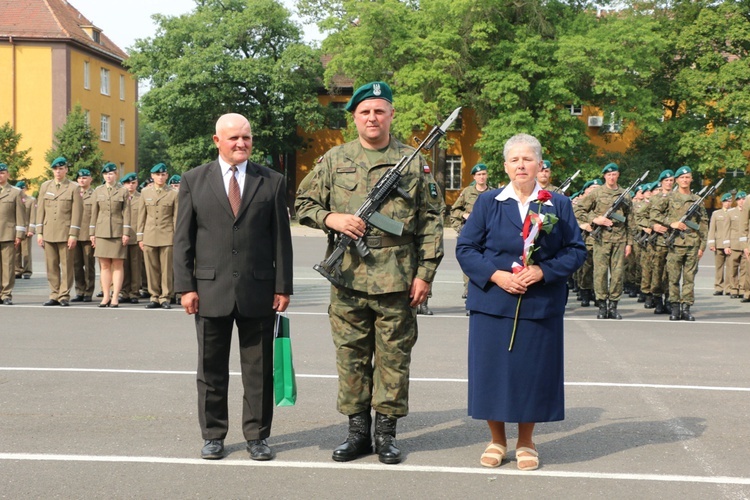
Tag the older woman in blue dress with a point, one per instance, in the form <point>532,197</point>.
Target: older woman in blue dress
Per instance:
<point>518,249</point>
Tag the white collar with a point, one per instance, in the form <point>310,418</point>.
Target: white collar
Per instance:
<point>225,166</point>
<point>508,193</point>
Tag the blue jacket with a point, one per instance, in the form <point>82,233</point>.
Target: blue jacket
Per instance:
<point>492,240</point>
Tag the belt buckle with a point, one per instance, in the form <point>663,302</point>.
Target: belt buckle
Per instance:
<point>374,241</point>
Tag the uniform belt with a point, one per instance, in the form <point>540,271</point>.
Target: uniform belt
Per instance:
<point>388,241</point>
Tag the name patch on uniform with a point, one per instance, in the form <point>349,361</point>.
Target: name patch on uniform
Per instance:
<point>433,189</point>
<point>346,170</point>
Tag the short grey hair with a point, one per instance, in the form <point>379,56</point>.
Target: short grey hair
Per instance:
<point>527,139</point>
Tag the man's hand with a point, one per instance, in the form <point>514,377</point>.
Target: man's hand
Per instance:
<point>17,242</point>
<point>140,244</point>
<point>280,302</point>
<point>347,224</point>
<point>189,302</point>
<point>628,250</point>
<point>602,221</point>
<point>418,291</point>
<point>72,242</point>
<point>40,241</point>
<point>660,229</point>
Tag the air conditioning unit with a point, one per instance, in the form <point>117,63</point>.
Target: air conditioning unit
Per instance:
<point>596,121</point>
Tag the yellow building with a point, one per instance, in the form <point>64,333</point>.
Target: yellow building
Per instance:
<point>52,58</point>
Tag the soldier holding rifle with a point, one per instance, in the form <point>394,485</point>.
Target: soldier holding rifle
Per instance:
<point>372,311</point>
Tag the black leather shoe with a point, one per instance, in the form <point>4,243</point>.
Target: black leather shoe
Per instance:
<point>144,295</point>
<point>259,449</point>
<point>165,305</point>
<point>77,298</point>
<point>7,302</point>
<point>134,301</point>
<point>64,303</point>
<point>87,298</point>
<point>51,302</point>
<point>26,276</point>
<point>734,296</point>
<point>153,305</point>
<point>718,293</point>
<point>213,449</point>
<point>746,299</point>
<point>100,294</point>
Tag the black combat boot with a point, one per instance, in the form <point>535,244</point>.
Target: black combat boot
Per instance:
<point>658,305</point>
<point>424,309</point>
<point>602,314</point>
<point>612,310</point>
<point>385,439</point>
<point>585,298</point>
<point>633,292</point>
<point>358,442</point>
<point>667,305</point>
<point>686,313</point>
<point>641,297</point>
<point>649,302</point>
<point>676,314</point>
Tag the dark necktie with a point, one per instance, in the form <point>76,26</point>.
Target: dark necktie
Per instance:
<point>234,191</point>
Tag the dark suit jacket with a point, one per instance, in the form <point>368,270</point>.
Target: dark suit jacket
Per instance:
<point>492,240</point>
<point>232,261</point>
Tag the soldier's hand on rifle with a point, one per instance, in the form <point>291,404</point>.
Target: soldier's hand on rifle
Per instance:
<point>602,221</point>
<point>660,229</point>
<point>587,227</point>
<point>348,224</point>
<point>680,226</point>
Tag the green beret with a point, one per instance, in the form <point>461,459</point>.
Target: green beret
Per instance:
<point>610,167</point>
<point>159,168</point>
<point>546,165</point>
<point>726,197</point>
<point>666,174</point>
<point>575,195</point>
<point>654,186</point>
<point>60,161</point>
<point>19,184</point>
<point>3,167</point>
<point>639,187</point>
<point>598,182</point>
<point>109,167</point>
<point>84,172</point>
<point>175,179</point>
<point>128,178</point>
<point>479,167</point>
<point>372,90</point>
<point>682,171</point>
<point>741,195</point>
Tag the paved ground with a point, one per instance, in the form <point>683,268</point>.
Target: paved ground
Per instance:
<point>99,403</point>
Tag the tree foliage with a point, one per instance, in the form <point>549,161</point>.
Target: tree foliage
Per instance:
<point>17,160</point>
<point>237,56</point>
<point>78,143</point>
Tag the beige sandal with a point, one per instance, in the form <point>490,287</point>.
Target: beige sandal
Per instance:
<point>495,452</point>
<point>533,456</point>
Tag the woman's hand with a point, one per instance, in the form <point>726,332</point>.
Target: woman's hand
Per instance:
<point>530,275</point>
<point>509,282</point>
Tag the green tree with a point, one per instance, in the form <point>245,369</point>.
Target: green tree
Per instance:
<point>17,160</point>
<point>229,56</point>
<point>153,147</point>
<point>78,143</point>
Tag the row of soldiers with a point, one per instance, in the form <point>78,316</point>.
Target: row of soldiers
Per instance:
<point>61,220</point>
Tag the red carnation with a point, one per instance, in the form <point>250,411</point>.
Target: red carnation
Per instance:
<point>543,195</point>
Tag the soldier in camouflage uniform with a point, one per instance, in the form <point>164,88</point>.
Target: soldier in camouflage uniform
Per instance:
<point>545,175</point>
<point>632,263</point>
<point>372,314</point>
<point>615,242</point>
<point>642,219</point>
<point>659,259</point>
<point>586,272</point>
<point>688,248</point>
<point>465,203</point>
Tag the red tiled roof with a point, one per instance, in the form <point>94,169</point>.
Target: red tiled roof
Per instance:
<point>51,20</point>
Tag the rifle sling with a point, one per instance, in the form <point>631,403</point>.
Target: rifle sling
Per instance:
<point>388,241</point>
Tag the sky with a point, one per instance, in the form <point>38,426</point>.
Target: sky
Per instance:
<point>124,22</point>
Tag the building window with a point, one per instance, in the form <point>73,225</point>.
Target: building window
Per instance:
<point>87,117</point>
<point>458,124</point>
<point>86,77</point>
<point>104,131</point>
<point>122,131</point>
<point>576,109</point>
<point>337,116</point>
<point>122,87</point>
<point>452,172</point>
<point>105,81</point>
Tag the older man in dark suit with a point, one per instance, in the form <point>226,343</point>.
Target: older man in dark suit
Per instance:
<point>233,264</point>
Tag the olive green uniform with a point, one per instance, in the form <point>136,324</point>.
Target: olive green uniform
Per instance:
<point>134,261</point>
<point>464,205</point>
<point>83,254</point>
<point>12,227</point>
<point>157,215</point>
<point>23,257</point>
<point>373,326</point>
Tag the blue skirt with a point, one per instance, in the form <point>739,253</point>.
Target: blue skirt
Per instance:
<point>524,385</point>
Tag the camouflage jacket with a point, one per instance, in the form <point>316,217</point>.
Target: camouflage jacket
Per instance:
<point>464,205</point>
<point>340,183</point>
<point>671,208</point>
<point>597,203</point>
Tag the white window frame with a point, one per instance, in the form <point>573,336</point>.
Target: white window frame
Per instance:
<point>87,117</point>
<point>104,76</point>
<point>122,87</point>
<point>453,165</point>
<point>104,128</point>
<point>86,75</point>
<point>122,131</point>
<point>576,109</point>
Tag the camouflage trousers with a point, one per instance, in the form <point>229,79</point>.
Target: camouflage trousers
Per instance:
<point>374,336</point>
<point>586,276</point>
<point>659,270</point>
<point>609,268</point>
<point>647,256</point>
<point>633,266</point>
<point>682,262</point>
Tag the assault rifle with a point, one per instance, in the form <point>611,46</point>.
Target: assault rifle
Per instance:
<point>610,213</point>
<point>651,238</point>
<point>566,184</point>
<point>330,268</point>
<point>673,233</point>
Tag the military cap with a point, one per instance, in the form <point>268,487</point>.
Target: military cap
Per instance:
<point>654,186</point>
<point>175,179</point>
<point>682,171</point>
<point>665,174</point>
<point>109,167</point>
<point>726,197</point>
<point>60,161</point>
<point>84,172</point>
<point>546,165</point>
<point>598,182</point>
<point>3,167</point>
<point>639,187</point>
<point>20,184</point>
<point>372,90</point>
<point>741,195</point>
<point>159,168</point>
<point>128,178</point>
<point>610,167</point>
<point>575,195</point>
<point>479,167</point>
